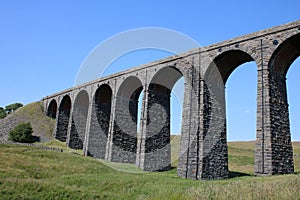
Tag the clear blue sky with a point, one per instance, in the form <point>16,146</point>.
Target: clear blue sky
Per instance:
<point>43,44</point>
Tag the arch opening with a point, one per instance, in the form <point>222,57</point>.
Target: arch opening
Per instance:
<point>294,110</point>
<point>52,109</point>
<point>176,120</point>
<point>79,118</point>
<point>241,94</point>
<point>100,119</point>
<point>124,138</point>
<point>63,118</point>
<point>281,60</point>
<point>103,107</point>
<point>215,114</point>
<point>286,55</point>
<point>225,64</point>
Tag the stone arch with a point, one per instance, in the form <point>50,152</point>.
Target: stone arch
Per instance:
<point>157,149</point>
<point>285,54</point>
<point>166,76</point>
<point>214,133</point>
<point>100,120</point>
<point>79,119</point>
<point>52,109</point>
<point>63,118</point>
<point>226,63</point>
<point>124,137</point>
<point>281,60</point>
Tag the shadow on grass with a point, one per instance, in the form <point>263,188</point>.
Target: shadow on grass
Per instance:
<point>233,174</point>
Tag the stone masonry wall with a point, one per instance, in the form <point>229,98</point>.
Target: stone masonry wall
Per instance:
<point>188,161</point>
<point>62,125</point>
<point>157,138</point>
<point>282,152</point>
<point>124,139</point>
<point>79,116</point>
<point>214,153</point>
<point>63,118</point>
<point>98,132</point>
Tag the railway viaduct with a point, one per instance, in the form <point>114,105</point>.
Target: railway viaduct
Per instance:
<point>100,116</point>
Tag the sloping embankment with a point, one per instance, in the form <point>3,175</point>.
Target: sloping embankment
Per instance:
<point>42,125</point>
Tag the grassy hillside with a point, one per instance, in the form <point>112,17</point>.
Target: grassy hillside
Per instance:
<point>42,125</point>
<point>296,151</point>
<point>241,157</point>
<point>31,173</point>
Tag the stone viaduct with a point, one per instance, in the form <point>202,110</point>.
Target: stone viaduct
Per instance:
<point>100,116</point>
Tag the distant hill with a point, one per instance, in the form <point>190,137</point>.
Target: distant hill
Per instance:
<point>42,125</point>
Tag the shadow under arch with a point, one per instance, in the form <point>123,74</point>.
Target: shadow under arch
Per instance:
<point>285,54</point>
<point>226,63</point>
<point>124,136</point>
<point>63,118</point>
<point>52,109</point>
<point>79,118</point>
<point>214,149</point>
<point>156,132</point>
<point>99,124</point>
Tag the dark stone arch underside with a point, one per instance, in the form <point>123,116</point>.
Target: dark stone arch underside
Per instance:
<point>99,125</point>
<point>124,137</point>
<point>79,118</point>
<point>285,55</point>
<point>157,144</point>
<point>63,119</point>
<point>52,109</point>
<point>156,150</point>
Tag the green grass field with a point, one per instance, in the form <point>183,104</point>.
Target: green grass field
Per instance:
<point>33,173</point>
